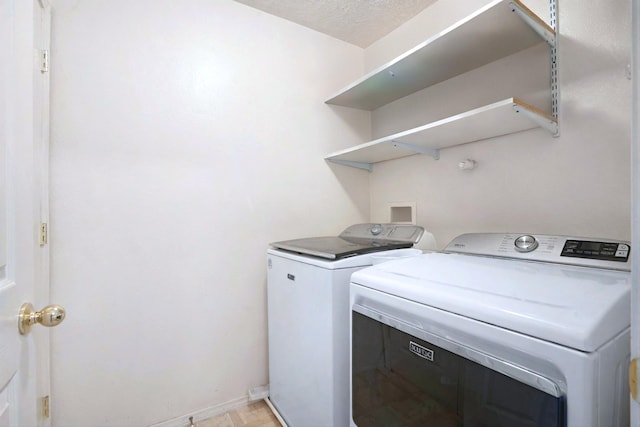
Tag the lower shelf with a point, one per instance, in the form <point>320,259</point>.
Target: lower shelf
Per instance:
<point>497,119</point>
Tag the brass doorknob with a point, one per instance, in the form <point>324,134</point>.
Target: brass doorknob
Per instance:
<point>51,315</point>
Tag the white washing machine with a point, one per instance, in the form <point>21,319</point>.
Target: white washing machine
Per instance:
<point>308,312</point>
<point>498,330</point>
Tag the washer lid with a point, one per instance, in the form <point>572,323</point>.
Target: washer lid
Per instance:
<point>355,240</point>
<point>576,307</point>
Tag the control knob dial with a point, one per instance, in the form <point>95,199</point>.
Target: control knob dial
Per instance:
<point>376,229</point>
<point>526,243</point>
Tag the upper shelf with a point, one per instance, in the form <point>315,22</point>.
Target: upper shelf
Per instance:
<point>497,119</point>
<point>499,29</point>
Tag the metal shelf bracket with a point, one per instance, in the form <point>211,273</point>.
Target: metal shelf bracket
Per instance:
<point>543,122</point>
<point>552,39</point>
<point>555,88</point>
<point>547,35</point>
<point>431,152</point>
<point>359,165</point>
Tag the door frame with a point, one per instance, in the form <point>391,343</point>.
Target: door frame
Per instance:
<point>635,198</point>
<point>41,84</point>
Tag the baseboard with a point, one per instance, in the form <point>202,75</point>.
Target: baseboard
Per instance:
<point>255,394</point>
<point>205,413</point>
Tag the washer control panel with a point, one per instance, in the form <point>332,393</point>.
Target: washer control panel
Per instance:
<point>383,232</point>
<point>600,253</point>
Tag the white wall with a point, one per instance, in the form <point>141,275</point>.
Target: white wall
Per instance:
<point>186,136</point>
<point>577,184</point>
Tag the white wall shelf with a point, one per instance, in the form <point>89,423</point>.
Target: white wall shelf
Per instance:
<point>501,118</point>
<point>497,30</point>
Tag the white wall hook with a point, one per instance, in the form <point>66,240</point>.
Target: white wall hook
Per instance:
<point>467,164</point>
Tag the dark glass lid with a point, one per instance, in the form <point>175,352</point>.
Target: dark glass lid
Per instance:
<point>356,240</point>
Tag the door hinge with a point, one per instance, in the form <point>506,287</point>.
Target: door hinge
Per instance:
<point>45,407</point>
<point>44,61</point>
<point>43,233</point>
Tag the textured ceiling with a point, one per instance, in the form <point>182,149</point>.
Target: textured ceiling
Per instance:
<point>359,22</point>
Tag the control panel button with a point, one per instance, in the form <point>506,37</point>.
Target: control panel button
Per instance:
<point>526,243</point>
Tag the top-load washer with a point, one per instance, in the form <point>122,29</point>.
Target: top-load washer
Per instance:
<point>499,330</point>
<point>308,313</point>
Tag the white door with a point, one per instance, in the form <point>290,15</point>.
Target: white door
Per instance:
<point>24,375</point>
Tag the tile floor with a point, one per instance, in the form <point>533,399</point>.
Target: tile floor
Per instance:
<point>257,414</point>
